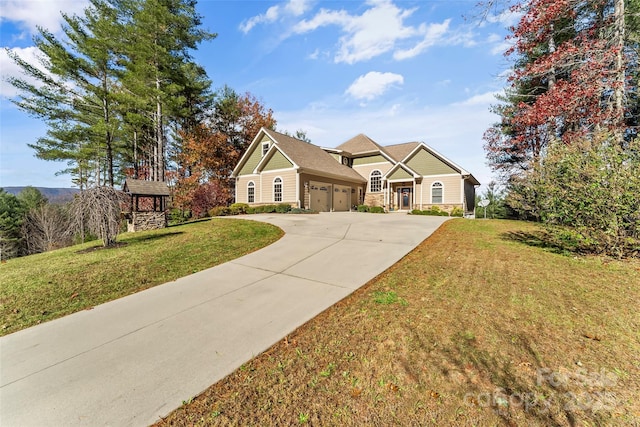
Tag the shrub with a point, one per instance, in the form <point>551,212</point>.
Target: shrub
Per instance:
<point>238,208</point>
<point>457,212</point>
<point>265,209</point>
<point>363,208</point>
<point>178,216</point>
<point>376,209</point>
<point>283,208</point>
<point>251,210</point>
<point>589,189</point>
<point>416,212</point>
<point>219,211</point>
<point>302,211</point>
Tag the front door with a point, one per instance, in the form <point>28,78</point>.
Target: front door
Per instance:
<point>404,194</point>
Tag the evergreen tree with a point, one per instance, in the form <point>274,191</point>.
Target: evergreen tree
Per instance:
<point>11,218</point>
<point>158,37</point>
<point>76,93</point>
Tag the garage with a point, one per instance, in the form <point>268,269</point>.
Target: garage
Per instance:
<point>320,196</point>
<point>341,196</point>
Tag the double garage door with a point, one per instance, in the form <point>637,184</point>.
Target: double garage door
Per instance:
<point>325,197</point>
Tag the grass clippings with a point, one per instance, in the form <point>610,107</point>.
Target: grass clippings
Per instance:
<point>46,286</point>
<point>471,328</point>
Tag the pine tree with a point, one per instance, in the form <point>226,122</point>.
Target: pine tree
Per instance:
<point>158,37</point>
<point>76,93</point>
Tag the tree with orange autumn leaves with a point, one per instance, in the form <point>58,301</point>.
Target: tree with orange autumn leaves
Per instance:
<point>211,150</point>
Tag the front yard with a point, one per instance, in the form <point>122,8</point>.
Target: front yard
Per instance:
<point>477,326</point>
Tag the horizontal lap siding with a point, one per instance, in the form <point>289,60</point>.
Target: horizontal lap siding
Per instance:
<point>365,170</point>
<point>241,188</point>
<point>288,186</point>
<point>451,189</point>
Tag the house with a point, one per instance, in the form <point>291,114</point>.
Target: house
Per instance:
<point>278,168</point>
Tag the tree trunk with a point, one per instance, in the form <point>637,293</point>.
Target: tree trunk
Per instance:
<point>618,94</point>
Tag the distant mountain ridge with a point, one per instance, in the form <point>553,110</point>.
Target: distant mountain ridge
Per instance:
<point>53,195</point>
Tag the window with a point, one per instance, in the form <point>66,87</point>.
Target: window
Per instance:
<point>251,192</point>
<point>437,191</point>
<point>265,148</point>
<point>375,181</point>
<point>277,190</point>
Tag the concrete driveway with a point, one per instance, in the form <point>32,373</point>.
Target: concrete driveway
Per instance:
<point>132,360</point>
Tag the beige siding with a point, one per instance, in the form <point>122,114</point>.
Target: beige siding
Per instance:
<point>426,163</point>
<point>368,160</point>
<point>288,186</point>
<point>277,161</point>
<point>241,188</point>
<point>365,170</point>
<point>451,183</point>
<point>400,173</point>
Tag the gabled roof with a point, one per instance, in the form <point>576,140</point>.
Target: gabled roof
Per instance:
<point>304,156</point>
<point>400,151</point>
<point>465,174</point>
<point>401,165</point>
<point>269,154</point>
<point>360,143</point>
<point>141,187</point>
<point>311,158</point>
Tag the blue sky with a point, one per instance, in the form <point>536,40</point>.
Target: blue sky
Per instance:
<point>397,71</point>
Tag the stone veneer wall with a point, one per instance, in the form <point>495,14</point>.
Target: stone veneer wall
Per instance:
<point>141,221</point>
<point>446,208</point>
<point>374,199</point>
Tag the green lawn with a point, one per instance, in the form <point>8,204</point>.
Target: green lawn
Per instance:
<point>46,286</point>
<point>478,326</point>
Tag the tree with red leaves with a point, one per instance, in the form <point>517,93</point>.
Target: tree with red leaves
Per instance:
<point>568,80</point>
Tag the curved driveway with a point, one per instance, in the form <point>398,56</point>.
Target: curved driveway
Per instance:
<point>130,361</point>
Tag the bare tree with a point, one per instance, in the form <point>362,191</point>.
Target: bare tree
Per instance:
<point>100,209</point>
<point>46,228</point>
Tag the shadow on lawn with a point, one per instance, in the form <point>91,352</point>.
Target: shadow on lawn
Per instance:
<point>152,237</point>
<point>515,393</point>
<point>129,241</point>
<point>538,239</point>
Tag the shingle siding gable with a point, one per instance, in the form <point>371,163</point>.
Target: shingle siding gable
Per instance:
<point>426,164</point>
<point>277,161</point>
<point>253,160</point>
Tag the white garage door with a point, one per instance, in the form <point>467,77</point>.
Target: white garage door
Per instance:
<point>341,196</point>
<point>320,196</point>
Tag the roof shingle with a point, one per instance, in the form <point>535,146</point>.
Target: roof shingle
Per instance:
<point>145,188</point>
<point>312,158</point>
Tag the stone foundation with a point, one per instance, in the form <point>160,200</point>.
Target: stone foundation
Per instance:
<point>142,221</point>
<point>446,208</point>
<point>374,199</point>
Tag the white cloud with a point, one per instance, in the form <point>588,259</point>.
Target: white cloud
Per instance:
<point>9,69</point>
<point>291,8</point>
<point>507,17</point>
<point>366,36</point>
<point>483,99</point>
<point>501,47</point>
<point>433,34</point>
<point>373,84</point>
<point>44,13</point>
